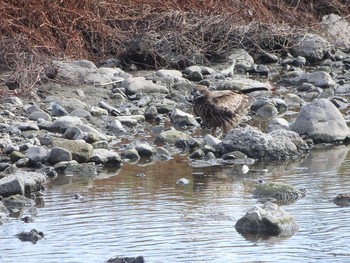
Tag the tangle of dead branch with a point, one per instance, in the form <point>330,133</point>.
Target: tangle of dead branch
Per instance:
<point>148,33</point>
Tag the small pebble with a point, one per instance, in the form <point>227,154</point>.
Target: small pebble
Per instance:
<point>245,169</point>
<point>78,196</point>
<point>182,181</point>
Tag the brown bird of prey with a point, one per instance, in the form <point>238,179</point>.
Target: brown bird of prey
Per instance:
<point>222,108</point>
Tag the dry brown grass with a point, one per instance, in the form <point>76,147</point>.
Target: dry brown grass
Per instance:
<point>149,33</point>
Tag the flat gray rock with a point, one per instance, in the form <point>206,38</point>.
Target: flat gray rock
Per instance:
<point>141,85</point>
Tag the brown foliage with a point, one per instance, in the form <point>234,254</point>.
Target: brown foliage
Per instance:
<point>153,33</point>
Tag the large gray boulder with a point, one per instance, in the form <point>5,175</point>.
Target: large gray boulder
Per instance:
<point>81,151</point>
<point>270,220</point>
<point>21,182</point>
<point>321,121</point>
<point>73,168</point>
<point>311,46</point>
<point>276,145</point>
<point>4,214</point>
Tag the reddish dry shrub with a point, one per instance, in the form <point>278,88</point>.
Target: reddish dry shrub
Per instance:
<point>150,33</point>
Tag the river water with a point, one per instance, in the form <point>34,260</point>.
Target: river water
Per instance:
<point>122,214</point>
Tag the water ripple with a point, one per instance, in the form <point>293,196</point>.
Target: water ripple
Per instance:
<point>124,215</point>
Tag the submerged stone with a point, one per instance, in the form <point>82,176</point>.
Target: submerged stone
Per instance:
<point>138,259</point>
<point>279,191</point>
<point>342,200</point>
<point>31,236</point>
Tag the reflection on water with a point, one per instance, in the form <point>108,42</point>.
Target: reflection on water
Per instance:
<point>122,214</point>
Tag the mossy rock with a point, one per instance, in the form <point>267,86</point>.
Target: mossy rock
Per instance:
<point>279,191</point>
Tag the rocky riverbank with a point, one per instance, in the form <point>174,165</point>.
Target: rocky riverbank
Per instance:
<point>84,117</point>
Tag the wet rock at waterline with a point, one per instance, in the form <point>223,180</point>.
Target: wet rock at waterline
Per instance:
<point>280,192</point>
<point>73,168</point>
<point>32,236</point>
<point>17,201</point>
<point>106,157</point>
<point>342,200</point>
<point>138,259</point>
<point>22,183</point>
<point>4,214</point>
<point>267,220</point>
<point>321,121</point>
<point>276,145</point>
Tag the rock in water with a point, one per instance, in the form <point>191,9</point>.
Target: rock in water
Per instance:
<point>31,236</point>
<point>182,181</point>
<point>270,220</point>
<point>342,200</point>
<point>279,191</point>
